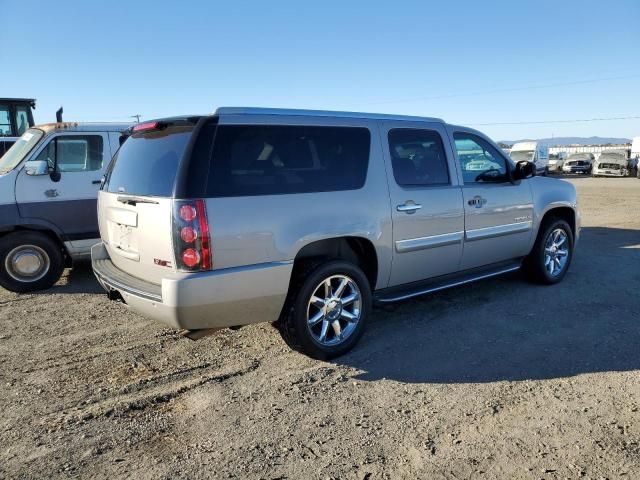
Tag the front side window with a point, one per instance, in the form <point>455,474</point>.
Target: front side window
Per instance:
<point>480,161</point>
<point>74,153</point>
<point>418,157</point>
<point>5,122</point>
<point>277,159</point>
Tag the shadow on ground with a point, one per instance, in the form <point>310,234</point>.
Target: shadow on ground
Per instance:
<point>79,279</point>
<point>508,329</point>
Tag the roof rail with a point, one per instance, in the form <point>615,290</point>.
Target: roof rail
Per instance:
<point>319,113</point>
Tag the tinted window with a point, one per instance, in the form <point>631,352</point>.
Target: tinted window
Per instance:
<point>418,157</point>
<point>479,160</point>
<point>74,153</point>
<point>274,159</point>
<point>146,163</point>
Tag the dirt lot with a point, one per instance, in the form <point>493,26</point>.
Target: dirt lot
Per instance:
<point>500,379</point>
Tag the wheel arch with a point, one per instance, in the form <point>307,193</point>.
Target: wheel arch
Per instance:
<point>355,249</point>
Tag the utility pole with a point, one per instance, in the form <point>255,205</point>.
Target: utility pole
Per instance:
<point>137,117</point>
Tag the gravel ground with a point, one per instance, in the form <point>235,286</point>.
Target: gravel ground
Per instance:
<point>500,379</point>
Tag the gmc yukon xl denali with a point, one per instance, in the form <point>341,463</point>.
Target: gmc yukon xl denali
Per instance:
<point>307,218</point>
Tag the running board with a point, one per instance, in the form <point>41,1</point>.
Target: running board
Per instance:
<point>404,292</point>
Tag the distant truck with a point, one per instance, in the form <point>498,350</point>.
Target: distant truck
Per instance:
<point>535,152</point>
<point>634,162</point>
<point>16,117</point>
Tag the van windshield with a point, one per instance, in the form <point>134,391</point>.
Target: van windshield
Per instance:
<point>522,155</point>
<point>147,162</point>
<point>19,150</point>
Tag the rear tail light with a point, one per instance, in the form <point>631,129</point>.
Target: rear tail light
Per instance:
<point>191,240</point>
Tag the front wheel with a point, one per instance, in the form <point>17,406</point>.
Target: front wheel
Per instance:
<point>327,310</point>
<point>29,261</point>
<point>551,255</point>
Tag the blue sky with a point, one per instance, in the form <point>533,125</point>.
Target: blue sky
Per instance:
<point>469,62</point>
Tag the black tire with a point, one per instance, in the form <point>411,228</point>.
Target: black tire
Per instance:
<point>534,264</point>
<point>293,325</point>
<point>46,247</point>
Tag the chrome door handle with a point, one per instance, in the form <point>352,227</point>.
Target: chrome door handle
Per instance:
<point>409,207</point>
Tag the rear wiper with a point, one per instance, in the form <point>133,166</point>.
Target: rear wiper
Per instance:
<point>135,200</point>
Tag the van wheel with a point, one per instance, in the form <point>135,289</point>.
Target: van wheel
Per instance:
<point>551,255</point>
<point>327,310</point>
<point>29,261</point>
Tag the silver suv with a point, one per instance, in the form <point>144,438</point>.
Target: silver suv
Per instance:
<point>307,218</point>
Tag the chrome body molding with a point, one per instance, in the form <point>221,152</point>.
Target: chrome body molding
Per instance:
<point>497,231</point>
<point>413,244</point>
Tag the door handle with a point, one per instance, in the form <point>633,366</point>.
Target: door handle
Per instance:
<point>409,207</point>
<point>97,182</point>
<point>477,201</point>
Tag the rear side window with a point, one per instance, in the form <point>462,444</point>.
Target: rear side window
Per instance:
<point>274,159</point>
<point>147,162</point>
<point>417,157</point>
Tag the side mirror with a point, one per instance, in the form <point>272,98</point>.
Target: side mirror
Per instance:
<point>524,170</point>
<point>36,168</point>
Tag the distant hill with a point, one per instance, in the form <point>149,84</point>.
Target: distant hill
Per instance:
<point>573,140</point>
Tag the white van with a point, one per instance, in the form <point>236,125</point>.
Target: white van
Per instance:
<point>49,182</point>
<point>535,152</point>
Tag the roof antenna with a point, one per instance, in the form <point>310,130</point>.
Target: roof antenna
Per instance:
<point>137,117</point>
<point>59,115</point>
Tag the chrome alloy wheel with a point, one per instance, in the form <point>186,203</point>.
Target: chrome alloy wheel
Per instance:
<point>27,263</point>
<point>556,252</point>
<point>334,310</point>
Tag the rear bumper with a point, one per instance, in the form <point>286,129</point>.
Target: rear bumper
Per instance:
<point>220,298</point>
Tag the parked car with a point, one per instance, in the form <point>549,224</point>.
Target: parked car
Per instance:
<point>535,152</point>
<point>306,218</point>
<point>611,163</point>
<point>16,117</point>
<point>578,163</point>
<point>556,160</point>
<point>49,182</point>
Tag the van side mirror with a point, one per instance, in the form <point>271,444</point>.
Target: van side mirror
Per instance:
<point>36,167</point>
<point>524,169</point>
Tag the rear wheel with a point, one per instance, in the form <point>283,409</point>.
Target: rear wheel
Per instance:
<point>327,310</point>
<point>551,255</point>
<point>29,261</point>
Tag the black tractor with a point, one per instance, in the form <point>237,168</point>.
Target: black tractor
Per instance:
<point>16,115</point>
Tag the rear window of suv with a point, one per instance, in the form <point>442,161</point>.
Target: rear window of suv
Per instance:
<point>275,159</point>
<point>147,162</point>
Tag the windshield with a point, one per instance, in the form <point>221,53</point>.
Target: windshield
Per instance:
<point>522,155</point>
<point>147,163</point>
<point>19,150</point>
